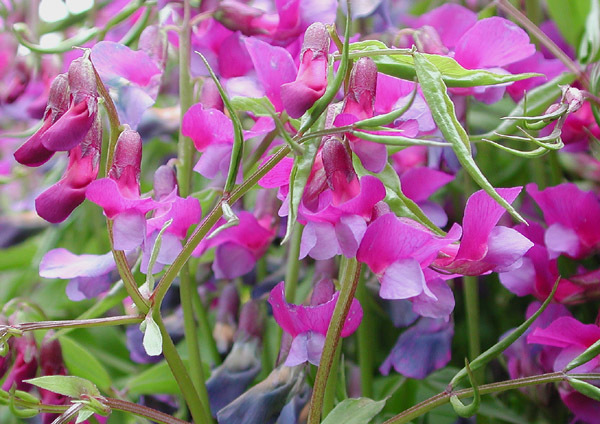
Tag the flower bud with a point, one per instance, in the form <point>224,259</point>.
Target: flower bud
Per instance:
<point>573,97</point>
<point>251,322</point>
<point>58,98</point>
<point>82,80</point>
<point>428,40</point>
<point>51,358</point>
<point>127,163</point>
<point>361,92</point>
<point>25,365</point>
<point>339,170</point>
<point>238,16</point>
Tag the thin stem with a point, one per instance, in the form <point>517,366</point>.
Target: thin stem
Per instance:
<point>544,39</point>
<point>342,307</point>
<point>471,295</point>
<point>191,334</point>
<point>205,331</point>
<point>332,383</point>
<point>444,397</point>
<point>79,323</point>
<point>185,154</point>
<point>365,335</point>
<point>293,264</point>
<point>142,411</point>
<point>198,408</point>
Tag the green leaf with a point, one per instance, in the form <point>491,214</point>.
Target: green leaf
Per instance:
<point>152,338</point>
<point>19,256</point>
<point>569,16</point>
<point>355,411</point>
<point>454,75</point>
<point>442,110</point>
<point>298,179</point>
<point>259,106</point>
<point>589,48</point>
<point>66,385</point>
<point>585,388</point>
<point>156,379</point>
<point>81,362</point>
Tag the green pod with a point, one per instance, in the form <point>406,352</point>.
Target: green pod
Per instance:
<point>397,140</point>
<point>442,110</point>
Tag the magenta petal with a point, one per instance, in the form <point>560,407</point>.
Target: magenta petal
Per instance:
<point>129,230</point>
<point>482,213</point>
<point>213,159</point>
<point>169,249</point>
<point>279,175</point>
<point>402,279</point>
<point>585,408</point>
<point>439,307</point>
<point>420,183</point>
<point>349,232</point>
<point>232,260</point>
<point>297,97</point>
<point>298,353</point>
<point>520,281</point>
<point>206,127</point>
<point>505,247</point>
<point>560,239</point>
<point>105,193</point>
<point>373,156</point>
<point>493,42</point>
<point>285,314</point>
<point>57,202</point>
<point>451,21</point>
<point>114,61</point>
<point>60,263</point>
<point>564,332</point>
<point>33,152</point>
<point>274,67</point>
<point>71,128</point>
<point>319,241</point>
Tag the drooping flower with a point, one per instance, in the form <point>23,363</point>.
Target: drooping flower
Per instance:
<point>308,324</point>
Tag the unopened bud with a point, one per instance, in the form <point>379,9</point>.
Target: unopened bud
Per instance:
<point>573,97</point>
<point>339,170</point>
<point>361,92</point>
<point>58,98</point>
<point>51,358</point>
<point>316,38</point>
<point>127,162</point>
<point>428,40</point>
<point>82,79</point>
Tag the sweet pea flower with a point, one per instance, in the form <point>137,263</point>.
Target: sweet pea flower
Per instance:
<point>119,193</point>
<point>398,251</point>
<point>24,366</point>
<point>484,246</point>
<point>308,324</point>
<point>132,77</point>
<point>57,202</point>
<point>570,338</point>
<point>311,82</point>
<point>239,247</point>
<point>573,219</point>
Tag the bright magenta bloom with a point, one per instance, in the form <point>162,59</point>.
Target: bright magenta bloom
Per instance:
<point>308,324</point>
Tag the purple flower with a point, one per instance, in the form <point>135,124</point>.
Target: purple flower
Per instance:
<point>308,324</point>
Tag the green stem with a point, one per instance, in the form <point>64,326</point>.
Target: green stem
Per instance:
<point>293,264</point>
<point>332,383</point>
<point>198,408</point>
<point>185,146</point>
<point>366,341</point>
<point>471,296</point>
<point>205,331</point>
<point>142,411</point>
<point>351,275</point>
<point>79,323</point>
<point>191,333</point>
<point>444,397</point>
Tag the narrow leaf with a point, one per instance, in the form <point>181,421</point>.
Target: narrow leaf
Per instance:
<point>66,385</point>
<point>585,388</point>
<point>355,411</point>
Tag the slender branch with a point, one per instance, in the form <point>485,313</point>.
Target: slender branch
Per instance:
<point>142,411</point>
<point>349,283</point>
<point>79,323</point>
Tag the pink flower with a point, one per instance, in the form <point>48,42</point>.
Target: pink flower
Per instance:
<point>484,246</point>
<point>308,324</point>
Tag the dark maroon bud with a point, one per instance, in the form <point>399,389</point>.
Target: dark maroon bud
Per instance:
<point>25,365</point>
<point>252,321</point>
<point>127,163</point>
<point>51,358</point>
<point>337,163</point>
<point>58,98</point>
